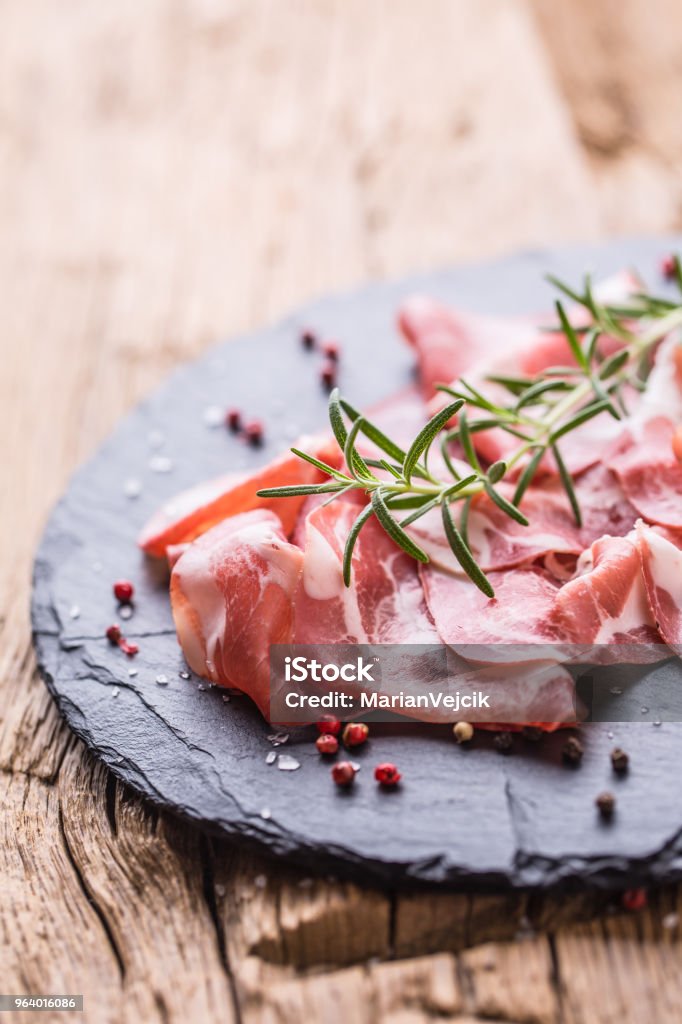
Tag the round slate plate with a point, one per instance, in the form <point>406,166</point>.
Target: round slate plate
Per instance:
<point>462,816</point>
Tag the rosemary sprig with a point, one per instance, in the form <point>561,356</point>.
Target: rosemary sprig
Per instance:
<point>539,413</point>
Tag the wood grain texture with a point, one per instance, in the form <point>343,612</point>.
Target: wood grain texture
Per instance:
<point>171,172</point>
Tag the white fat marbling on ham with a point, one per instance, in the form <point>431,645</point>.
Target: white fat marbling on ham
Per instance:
<point>662,569</point>
<point>606,602</point>
<point>533,615</point>
<point>643,458</point>
<point>232,594</point>
<point>385,602</point>
<point>663,394</point>
<point>649,473</point>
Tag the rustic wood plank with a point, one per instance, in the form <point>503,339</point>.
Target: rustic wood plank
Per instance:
<point>44,906</point>
<point>512,981</point>
<point>282,916</point>
<point>618,66</point>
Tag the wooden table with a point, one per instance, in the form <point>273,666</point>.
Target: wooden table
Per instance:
<point>171,172</point>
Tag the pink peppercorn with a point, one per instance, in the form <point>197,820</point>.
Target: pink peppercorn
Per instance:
<point>634,899</point>
<point>332,350</point>
<point>123,591</point>
<point>327,744</point>
<point>355,734</point>
<point>113,634</point>
<point>328,373</point>
<point>343,773</point>
<point>387,774</point>
<point>253,432</point>
<point>329,725</point>
<point>233,420</point>
<point>668,267</point>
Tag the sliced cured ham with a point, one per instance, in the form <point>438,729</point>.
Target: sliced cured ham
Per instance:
<point>662,568</point>
<point>196,510</point>
<point>479,627</point>
<point>603,505</point>
<point>232,595</point>
<point>649,473</point>
<point>385,602</point>
<point>499,542</point>
<point>448,342</point>
<point>643,457</point>
<point>607,603</point>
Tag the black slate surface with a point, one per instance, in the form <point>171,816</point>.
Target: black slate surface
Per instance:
<point>463,816</point>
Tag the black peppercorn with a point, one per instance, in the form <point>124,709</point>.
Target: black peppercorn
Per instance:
<point>619,760</point>
<point>606,803</point>
<point>503,742</point>
<point>572,750</point>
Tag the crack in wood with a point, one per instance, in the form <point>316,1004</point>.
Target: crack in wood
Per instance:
<point>206,855</point>
<point>89,896</point>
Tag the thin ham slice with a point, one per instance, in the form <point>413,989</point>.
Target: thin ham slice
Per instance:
<point>649,473</point>
<point>196,510</point>
<point>643,458</point>
<point>385,602</point>
<point>603,505</point>
<point>499,542</point>
<point>232,595</point>
<point>662,568</point>
<point>533,616</point>
<point>607,604</point>
<point>465,618</point>
<point>448,342</point>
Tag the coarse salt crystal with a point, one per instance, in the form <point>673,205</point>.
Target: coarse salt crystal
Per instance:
<point>213,416</point>
<point>286,763</point>
<point>160,464</point>
<point>132,488</point>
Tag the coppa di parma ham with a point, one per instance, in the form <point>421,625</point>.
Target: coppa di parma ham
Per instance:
<point>589,562</point>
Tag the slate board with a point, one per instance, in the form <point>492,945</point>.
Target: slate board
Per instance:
<point>463,817</point>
